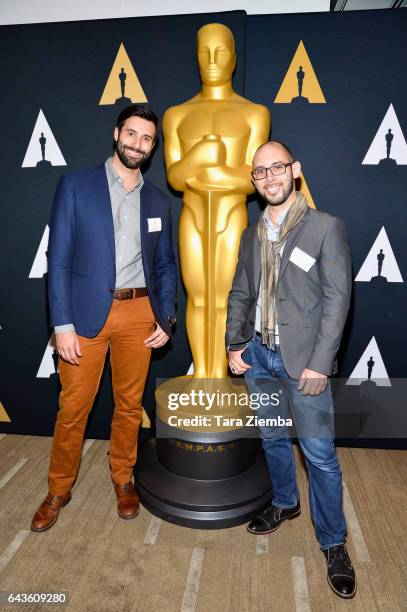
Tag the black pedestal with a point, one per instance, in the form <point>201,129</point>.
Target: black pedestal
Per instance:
<point>203,483</point>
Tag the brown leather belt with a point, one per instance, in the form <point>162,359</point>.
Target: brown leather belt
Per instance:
<point>129,294</point>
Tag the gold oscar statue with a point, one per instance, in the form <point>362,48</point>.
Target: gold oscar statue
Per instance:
<point>209,144</point>
<point>204,469</point>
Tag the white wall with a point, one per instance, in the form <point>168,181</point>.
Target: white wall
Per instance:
<point>36,11</point>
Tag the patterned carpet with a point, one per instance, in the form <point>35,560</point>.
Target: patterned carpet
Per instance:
<point>106,564</point>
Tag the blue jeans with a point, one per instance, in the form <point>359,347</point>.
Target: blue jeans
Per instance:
<point>313,419</point>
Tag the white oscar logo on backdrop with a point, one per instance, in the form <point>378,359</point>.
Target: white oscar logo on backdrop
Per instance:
<point>40,263</point>
<point>389,147</point>
<point>43,149</point>
<point>380,265</point>
<point>191,369</point>
<point>48,365</point>
<point>370,368</point>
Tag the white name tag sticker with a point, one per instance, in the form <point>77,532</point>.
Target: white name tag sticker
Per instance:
<point>154,224</point>
<point>302,259</point>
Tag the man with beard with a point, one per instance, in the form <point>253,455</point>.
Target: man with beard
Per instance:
<point>111,285</point>
<point>286,313</point>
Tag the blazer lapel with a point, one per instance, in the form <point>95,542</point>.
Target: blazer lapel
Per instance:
<point>256,260</point>
<point>102,196</point>
<point>144,207</point>
<point>290,243</point>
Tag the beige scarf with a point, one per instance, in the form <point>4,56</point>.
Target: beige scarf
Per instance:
<point>270,266</point>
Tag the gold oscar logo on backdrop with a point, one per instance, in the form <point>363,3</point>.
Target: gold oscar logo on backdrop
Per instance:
<point>4,417</point>
<point>123,85</point>
<point>300,84</point>
<point>209,144</point>
<point>145,423</point>
<point>301,185</point>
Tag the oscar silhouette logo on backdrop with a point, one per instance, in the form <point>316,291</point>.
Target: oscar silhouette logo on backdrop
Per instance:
<point>389,147</point>
<point>370,369</point>
<point>300,85</point>
<point>123,85</point>
<point>380,266</point>
<point>40,263</point>
<point>43,150</point>
<point>301,185</point>
<point>4,417</point>
<point>49,361</point>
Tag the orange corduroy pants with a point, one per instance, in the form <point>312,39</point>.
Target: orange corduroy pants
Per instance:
<point>129,323</point>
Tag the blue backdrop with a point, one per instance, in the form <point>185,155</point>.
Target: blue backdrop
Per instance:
<point>356,59</point>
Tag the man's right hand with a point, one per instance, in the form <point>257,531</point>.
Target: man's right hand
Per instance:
<point>68,347</point>
<point>236,363</point>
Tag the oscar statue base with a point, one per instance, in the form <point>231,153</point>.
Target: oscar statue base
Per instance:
<point>205,468</point>
<point>196,500</point>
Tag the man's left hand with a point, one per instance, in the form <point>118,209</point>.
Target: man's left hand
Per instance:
<point>311,382</point>
<point>157,339</point>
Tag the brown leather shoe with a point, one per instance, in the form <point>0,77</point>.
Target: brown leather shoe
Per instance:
<point>47,514</point>
<point>128,502</point>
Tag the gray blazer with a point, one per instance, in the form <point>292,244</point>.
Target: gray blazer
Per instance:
<point>313,293</point>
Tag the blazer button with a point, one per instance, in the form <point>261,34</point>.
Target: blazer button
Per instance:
<point>111,290</point>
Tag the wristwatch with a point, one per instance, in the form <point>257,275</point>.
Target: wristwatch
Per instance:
<point>172,320</point>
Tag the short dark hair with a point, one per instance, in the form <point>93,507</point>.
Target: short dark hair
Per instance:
<point>138,110</point>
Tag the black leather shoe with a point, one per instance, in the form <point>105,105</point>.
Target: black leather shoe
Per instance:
<point>271,518</point>
<point>341,575</point>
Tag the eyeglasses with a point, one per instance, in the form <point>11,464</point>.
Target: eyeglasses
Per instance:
<point>276,169</point>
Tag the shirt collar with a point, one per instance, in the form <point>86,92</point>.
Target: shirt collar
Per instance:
<point>113,177</point>
<point>269,222</point>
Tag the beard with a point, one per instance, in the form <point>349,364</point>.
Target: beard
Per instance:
<point>132,163</point>
<point>281,197</point>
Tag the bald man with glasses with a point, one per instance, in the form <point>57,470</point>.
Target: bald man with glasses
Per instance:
<point>286,313</point>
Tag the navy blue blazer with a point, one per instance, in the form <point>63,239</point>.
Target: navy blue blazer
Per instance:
<point>81,252</point>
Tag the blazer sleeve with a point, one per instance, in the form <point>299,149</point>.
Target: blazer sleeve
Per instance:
<point>238,303</point>
<point>60,253</point>
<point>336,285</point>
